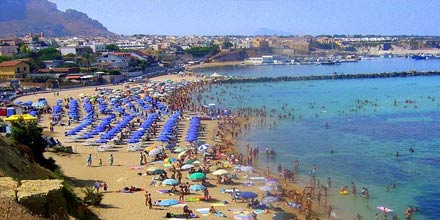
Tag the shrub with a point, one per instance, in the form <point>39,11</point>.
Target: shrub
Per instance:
<point>92,197</point>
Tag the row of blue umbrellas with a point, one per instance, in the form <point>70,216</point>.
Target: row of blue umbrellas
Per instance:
<point>137,135</point>
<point>169,127</point>
<point>100,128</point>
<point>73,109</point>
<point>115,130</point>
<point>193,130</point>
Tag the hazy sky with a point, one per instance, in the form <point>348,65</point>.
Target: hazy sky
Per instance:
<point>247,17</point>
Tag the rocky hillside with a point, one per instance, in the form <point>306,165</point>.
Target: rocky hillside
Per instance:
<point>20,17</point>
<point>40,191</point>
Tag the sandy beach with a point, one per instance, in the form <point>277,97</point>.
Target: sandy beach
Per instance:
<point>125,171</point>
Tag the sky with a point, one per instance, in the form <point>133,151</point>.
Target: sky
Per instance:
<point>250,17</point>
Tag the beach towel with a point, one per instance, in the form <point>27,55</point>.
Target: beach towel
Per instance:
<point>218,204</point>
<point>179,205</point>
<point>203,210</point>
<point>248,184</point>
<point>258,211</point>
<point>192,199</point>
<point>229,190</point>
<point>236,210</point>
<point>258,178</point>
<point>163,191</point>
<point>136,168</point>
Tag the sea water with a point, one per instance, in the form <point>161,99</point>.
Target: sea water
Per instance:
<point>368,122</point>
<point>377,65</point>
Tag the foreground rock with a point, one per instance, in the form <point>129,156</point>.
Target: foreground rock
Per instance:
<point>42,197</point>
<point>8,187</point>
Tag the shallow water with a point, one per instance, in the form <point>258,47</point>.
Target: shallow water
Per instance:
<point>369,120</point>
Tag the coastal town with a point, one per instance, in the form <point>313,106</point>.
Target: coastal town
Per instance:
<point>35,62</point>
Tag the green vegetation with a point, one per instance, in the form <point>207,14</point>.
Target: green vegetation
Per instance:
<point>30,134</point>
<point>227,45</point>
<point>4,58</point>
<point>112,47</point>
<point>114,72</point>
<point>203,51</point>
<point>92,197</point>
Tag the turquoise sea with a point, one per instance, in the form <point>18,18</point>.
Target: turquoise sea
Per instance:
<point>369,120</point>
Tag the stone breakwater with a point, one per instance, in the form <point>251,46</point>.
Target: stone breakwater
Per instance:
<point>330,77</point>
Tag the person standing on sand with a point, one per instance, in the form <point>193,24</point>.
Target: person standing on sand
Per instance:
<point>89,160</point>
<point>150,201</point>
<point>329,211</point>
<point>181,194</point>
<point>267,172</point>
<point>206,194</point>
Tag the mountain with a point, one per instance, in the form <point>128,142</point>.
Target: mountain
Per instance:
<point>20,17</point>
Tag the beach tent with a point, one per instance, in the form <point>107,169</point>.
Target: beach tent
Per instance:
<point>26,117</point>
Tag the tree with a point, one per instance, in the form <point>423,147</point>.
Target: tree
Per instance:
<point>227,45</point>
<point>112,47</point>
<point>49,54</point>
<point>30,134</point>
<point>114,72</point>
<point>24,49</point>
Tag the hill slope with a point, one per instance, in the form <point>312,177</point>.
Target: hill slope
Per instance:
<point>20,17</point>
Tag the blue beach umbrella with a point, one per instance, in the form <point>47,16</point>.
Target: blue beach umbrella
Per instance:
<point>197,187</point>
<point>247,195</point>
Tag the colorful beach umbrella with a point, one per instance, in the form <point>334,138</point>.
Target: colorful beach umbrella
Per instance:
<point>186,166</point>
<point>197,176</point>
<point>158,171</point>
<point>168,202</point>
<point>220,172</point>
<point>170,182</point>
<point>154,152</point>
<point>25,117</point>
